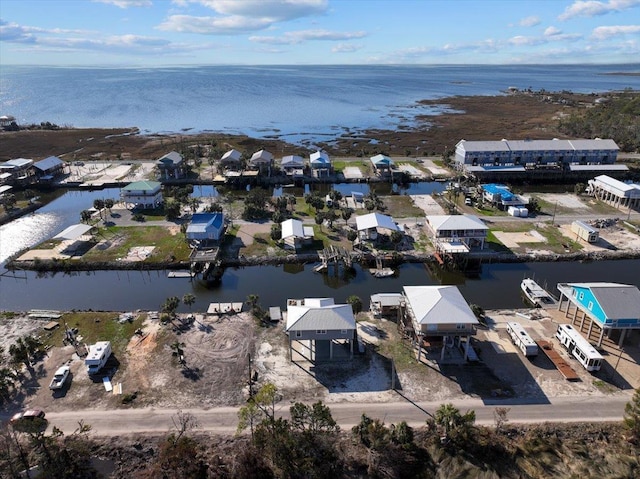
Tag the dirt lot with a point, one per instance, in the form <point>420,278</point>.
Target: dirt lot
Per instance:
<point>216,370</point>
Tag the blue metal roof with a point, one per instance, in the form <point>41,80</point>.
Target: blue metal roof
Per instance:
<point>496,189</point>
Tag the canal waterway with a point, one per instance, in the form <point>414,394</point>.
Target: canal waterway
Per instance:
<point>495,286</point>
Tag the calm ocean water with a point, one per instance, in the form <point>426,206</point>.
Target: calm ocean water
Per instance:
<point>299,103</point>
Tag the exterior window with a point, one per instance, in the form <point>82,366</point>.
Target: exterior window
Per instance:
<point>461,326</point>
<point>590,305</point>
<point>321,331</point>
<point>581,296</point>
<point>298,334</point>
<point>343,331</point>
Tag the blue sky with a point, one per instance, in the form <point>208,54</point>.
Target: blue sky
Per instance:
<point>279,32</point>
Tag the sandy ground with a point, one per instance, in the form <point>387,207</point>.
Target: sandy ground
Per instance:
<point>427,204</point>
<point>435,169</point>
<point>352,172</point>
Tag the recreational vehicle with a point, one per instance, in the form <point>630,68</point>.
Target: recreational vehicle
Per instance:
<point>579,347</point>
<point>522,340</point>
<point>98,355</point>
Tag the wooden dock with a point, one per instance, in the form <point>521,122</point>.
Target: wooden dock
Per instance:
<point>567,371</point>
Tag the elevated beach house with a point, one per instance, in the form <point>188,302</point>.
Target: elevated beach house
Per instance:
<point>20,171</point>
<point>438,313</point>
<point>262,161</point>
<point>47,169</point>
<point>372,224</point>
<point>456,233</point>
<point>577,158</point>
<point>320,164</point>
<point>320,328</point>
<point>292,165</point>
<point>382,165</point>
<point>142,194</point>
<point>612,308</point>
<point>232,160</point>
<point>295,235</point>
<point>171,166</point>
<point>205,227</point>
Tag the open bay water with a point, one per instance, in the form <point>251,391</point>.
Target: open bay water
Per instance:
<point>301,104</point>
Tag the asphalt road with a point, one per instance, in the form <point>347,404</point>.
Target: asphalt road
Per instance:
<point>224,420</point>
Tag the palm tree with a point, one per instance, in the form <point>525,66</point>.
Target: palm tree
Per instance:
<point>108,204</point>
<point>170,306</point>
<point>99,205</point>
<point>188,299</point>
<point>85,216</point>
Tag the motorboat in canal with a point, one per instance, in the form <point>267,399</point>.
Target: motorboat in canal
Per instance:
<point>537,295</point>
<point>382,272</point>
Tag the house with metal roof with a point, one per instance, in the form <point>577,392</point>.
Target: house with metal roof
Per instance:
<point>370,225</point>
<point>382,164</point>
<point>292,165</point>
<point>295,234</point>
<point>232,159</point>
<point>535,158</point>
<point>501,196</point>
<point>438,312</point>
<point>320,328</point>
<point>453,233</point>
<point>20,170</point>
<point>142,194</point>
<point>320,164</point>
<point>261,160</point>
<point>205,227</point>
<point>611,307</point>
<point>615,192</point>
<point>171,166</point>
<point>49,168</point>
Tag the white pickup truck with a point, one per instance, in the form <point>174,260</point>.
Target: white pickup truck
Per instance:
<point>59,378</point>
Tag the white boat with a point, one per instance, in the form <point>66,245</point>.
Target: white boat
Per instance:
<point>536,294</point>
<point>382,272</point>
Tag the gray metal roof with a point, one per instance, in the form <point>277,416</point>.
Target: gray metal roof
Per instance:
<point>595,168</point>
<point>595,144</point>
<point>456,222</point>
<point>439,305</point>
<point>48,163</point>
<point>618,301</point>
<point>495,145</point>
<point>539,145</point>
<point>315,317</point>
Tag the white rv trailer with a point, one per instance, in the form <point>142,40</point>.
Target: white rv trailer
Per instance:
<point>522,340</point>
<point>98,356</point>
<point>579,347</point>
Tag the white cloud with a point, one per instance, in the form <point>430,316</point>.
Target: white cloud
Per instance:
<point>531,21</point>
<point>292,38</point>
<point>213,25</point>
<point>550,31</point>
<point>346,48</point>
<point>241,16</point>
<point>275,10</point>
<point>521,40</point>
<point>126,3</point>
<point>592,8</point>
<point>602,33</point>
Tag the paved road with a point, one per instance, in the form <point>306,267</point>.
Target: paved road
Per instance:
<point>223,420</point>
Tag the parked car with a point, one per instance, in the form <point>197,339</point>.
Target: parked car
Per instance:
<point>468,201</point>
<point>59,378</point>
<point>28,415</point>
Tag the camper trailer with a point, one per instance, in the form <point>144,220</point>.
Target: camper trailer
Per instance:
<point>585,232</point>
<point>579,347</point>
<point>522,340</point>
<point>98,356</point>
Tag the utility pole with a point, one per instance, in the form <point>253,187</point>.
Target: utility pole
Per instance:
<point>553,220</point>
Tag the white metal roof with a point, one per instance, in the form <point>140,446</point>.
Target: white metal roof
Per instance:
<point>319,158</point>
<point>261,156</point>
<point>292,160</point>
<point>292,228</point>
<point>234,155</point>
<point>456,222</point>
<point>375,220</point>
<point>439,305</point>
<point>73,232</point>
<point>48,163</point>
